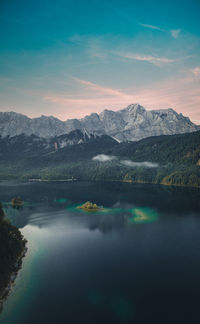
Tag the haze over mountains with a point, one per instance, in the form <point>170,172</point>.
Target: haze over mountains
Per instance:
<point>130,124</point>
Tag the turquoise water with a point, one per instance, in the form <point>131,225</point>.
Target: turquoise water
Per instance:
<point>136,261</point>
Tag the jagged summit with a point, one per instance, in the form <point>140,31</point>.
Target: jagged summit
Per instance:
<point>129,124</point>
<point>134,107</point>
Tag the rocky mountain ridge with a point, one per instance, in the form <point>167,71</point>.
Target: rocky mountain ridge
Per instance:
<point>129,124</point>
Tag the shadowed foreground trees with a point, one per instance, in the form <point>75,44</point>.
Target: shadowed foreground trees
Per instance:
<point>12,245</point>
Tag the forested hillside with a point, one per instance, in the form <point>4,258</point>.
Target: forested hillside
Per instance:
<point>172,159</point>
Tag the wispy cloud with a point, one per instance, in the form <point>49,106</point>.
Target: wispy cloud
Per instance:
<point>144,164</point>
<point>181,94</point>
<point>91,97</point>
<point>156,60</point>
<point>152,27</point>
<point>98,48</point>
<point>196,71</point>
<point>175,33</point>
<point>93,45</point>
<point>102,90</point>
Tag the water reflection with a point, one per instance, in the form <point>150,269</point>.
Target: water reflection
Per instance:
<point>103,220</point>
<point>132,262</point>
<point>113,195</point>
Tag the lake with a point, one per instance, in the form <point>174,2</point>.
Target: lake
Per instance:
<point>135,261</point>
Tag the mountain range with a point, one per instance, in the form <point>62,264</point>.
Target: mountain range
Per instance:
<point>132,144</point>
<point>130,124</point>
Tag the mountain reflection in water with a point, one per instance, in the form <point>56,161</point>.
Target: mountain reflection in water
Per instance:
<point>135,261</point>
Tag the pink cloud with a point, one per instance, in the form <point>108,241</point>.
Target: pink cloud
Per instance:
<point>182,95</point>
<point>196,71</point>
<point>102,90</point>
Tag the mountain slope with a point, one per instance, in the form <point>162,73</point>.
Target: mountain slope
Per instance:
<point>21,147</point>
<point>170,159</point>
<point>130,124</point>
<point>177,149</point>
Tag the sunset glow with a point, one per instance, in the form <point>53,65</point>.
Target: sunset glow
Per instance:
<point>69,60</point>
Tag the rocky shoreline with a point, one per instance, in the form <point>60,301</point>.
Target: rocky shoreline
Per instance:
<point>18,264</point>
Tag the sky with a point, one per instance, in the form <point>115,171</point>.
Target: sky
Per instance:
<point>71,58</point>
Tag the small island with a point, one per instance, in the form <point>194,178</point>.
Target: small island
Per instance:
<point>88,206</point>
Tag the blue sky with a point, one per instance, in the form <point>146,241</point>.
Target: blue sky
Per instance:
<point>71,58</point>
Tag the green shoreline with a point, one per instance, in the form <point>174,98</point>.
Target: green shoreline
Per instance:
<point>9,285</point>
<point>104,180</point>
<point>166,160</point>
<point>12,250</point>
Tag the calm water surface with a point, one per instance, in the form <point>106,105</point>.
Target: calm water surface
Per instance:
<point>137,261</point>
